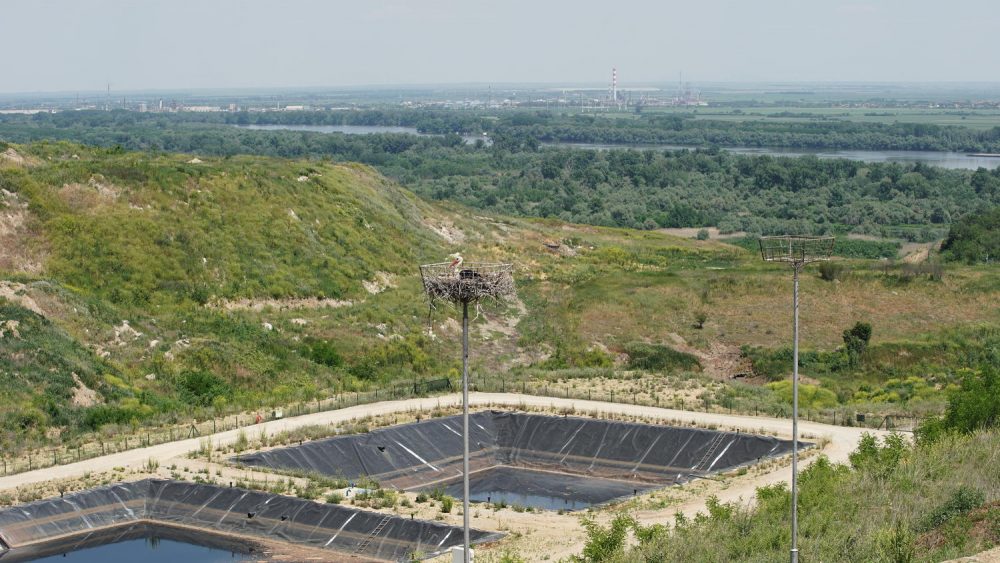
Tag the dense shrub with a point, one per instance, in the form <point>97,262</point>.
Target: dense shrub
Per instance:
<point>974,238</point>
<point>98,416</point>
<point>322,352</point>
<point>961,501</point>
<point>856,341</point>
<point>975,405</point>
<point>202,387</point>
<point>657,357</point>
<point>830,271</point>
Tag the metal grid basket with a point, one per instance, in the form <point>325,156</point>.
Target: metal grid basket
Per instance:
<point>468,282</point>
<point>796,249</point>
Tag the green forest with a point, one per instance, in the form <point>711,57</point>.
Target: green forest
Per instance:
<point>551,126</point>
<point>517,175</point>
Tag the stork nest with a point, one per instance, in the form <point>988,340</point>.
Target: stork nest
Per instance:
<point>467,283</point>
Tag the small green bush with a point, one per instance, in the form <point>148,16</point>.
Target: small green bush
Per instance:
<point>830,271</point>
<point>963,500</point>
<point>975,405</point>
<point>656,357</point>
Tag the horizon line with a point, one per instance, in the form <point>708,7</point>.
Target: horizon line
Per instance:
<point>561,85</point>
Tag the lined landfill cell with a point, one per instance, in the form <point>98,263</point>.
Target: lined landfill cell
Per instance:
<point>551,462</point>
<point>225,511</point>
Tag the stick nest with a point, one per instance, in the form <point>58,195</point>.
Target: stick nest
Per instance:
<point>467,283</point>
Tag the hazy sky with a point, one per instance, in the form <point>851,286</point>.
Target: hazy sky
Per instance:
<point>67,45</point>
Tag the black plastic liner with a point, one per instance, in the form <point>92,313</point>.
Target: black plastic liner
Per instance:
<point>416,456</point>
<point>221,510</point>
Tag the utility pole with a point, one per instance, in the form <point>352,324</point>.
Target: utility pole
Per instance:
<point>796,251</point>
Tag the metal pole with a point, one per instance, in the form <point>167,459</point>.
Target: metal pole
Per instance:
<point>465,429</point>
<point>795,413</point>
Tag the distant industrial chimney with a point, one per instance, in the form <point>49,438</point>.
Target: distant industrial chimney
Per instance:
<point>614,85</point>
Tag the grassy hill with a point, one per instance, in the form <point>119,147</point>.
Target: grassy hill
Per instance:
<point>168,284</point>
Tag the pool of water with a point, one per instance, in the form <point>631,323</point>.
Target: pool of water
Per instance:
<point>542,489</point>
<point>140,543</point>
<point>953,160</point>
<point>348,129</point>
<point>357,130</point>
<point>148,550</point>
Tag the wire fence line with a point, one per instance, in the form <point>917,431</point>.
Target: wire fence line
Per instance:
<point>99,444</point>
<point>143,436</point>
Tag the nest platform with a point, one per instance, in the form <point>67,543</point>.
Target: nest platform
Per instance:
<point>796,249</point>
<point>467,283</point>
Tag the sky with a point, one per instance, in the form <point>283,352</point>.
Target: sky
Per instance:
<point>82,45</point>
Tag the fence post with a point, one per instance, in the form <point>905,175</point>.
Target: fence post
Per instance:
<point>612,395</point>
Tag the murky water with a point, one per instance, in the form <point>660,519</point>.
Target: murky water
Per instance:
<point>544,490</point>
<point>147,550</point>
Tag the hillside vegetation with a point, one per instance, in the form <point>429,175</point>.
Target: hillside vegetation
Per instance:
<point>137,288</point>
<point>517,176</point>
<point>894,501</point>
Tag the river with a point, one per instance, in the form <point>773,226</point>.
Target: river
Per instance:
<point>348,129</point>
<point>953,160</point>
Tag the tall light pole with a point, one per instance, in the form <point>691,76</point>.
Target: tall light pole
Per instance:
<point>796,251</point>
<point>462,283</point>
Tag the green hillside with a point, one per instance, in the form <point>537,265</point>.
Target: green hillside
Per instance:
<point>173,287</point>
<point>152,278</point>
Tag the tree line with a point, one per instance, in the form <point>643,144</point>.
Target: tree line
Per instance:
<point>643,189</point>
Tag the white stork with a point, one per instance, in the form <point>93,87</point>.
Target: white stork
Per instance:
<point>456,261</point>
